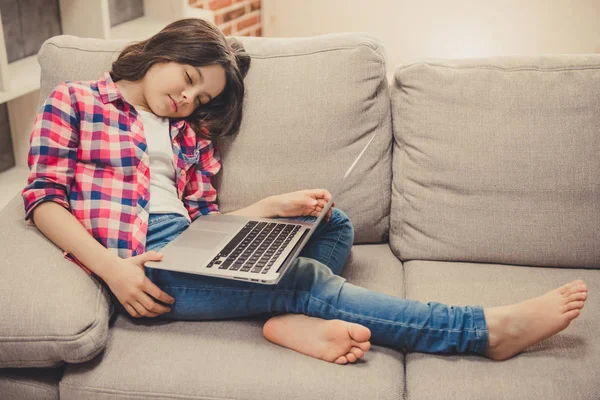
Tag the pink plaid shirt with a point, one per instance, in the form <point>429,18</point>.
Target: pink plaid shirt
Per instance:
<point>88,154</point>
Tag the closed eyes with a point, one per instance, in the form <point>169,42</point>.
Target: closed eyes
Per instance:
<point>191,83</point>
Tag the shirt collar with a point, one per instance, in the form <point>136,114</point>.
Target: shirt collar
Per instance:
<point>108,89</point>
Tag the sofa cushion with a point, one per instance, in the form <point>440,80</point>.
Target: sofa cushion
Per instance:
<point>30,383</point>
<point>311,106</point>
<point>52,311</point>
<point>496,160</point>
<point>561,367</point>
<point>375,267</point>
<point>232,360</point>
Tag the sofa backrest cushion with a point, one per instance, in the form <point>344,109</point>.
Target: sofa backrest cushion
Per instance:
<point>498,160</point>
<point>311,105</point>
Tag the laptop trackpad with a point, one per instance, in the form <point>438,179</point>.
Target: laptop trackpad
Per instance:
<point>201,239</point>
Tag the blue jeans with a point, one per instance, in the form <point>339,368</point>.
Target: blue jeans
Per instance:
<point>313,287</point>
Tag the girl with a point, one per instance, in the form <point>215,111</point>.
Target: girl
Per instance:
<point>122,165</point>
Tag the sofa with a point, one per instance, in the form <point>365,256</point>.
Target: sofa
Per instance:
<point>482,187</point>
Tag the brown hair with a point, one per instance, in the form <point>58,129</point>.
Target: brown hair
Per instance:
<point>198,43</point>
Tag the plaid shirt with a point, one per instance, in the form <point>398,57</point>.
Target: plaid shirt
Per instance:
<point>88,154</point>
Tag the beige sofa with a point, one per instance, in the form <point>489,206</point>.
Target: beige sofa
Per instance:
<point>482,187</point>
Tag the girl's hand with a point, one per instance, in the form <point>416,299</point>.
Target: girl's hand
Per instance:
<point>303,203</point>
<point>134,290</point>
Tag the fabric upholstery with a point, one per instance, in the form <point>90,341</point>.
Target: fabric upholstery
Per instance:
<point>51,310</point>
<point>30,383</point>
<point>496,160</point>
<point>561,367</point>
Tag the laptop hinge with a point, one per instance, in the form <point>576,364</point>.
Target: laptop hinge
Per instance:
<point>291,253</point>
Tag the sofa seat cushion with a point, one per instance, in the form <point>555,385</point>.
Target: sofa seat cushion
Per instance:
<point>52,311</point>
<point>561,367</point>
<point>496,160</point>
<point>232,360</point>
<point>375,267</point>
<point>30,383</point>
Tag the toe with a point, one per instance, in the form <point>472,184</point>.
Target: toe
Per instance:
<point>573,288</point>
<point>565,288</point>
<point>359,333</point>
<point>574,305</point>
<point>573,314</point>
<point>341,360</point>
<point>351,357</point>
<point>364,346</point>
<point>577,296</point>
<point>357,352</point>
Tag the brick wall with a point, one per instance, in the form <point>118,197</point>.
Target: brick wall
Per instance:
<point>234,17</point>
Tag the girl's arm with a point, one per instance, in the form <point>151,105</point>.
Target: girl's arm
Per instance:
<point>52,161</point>
<point>65,231</point>
<point>52,153</point>
<point>265,208</point>
<point>125,277</point>
<point>300,203</point>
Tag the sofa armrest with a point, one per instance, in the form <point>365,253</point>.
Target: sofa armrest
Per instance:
<point>52,311</point>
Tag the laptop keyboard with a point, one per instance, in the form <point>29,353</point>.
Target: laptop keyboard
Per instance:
<point>256,247</point>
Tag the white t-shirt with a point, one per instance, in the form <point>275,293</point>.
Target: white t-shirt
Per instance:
<point>163,189</point>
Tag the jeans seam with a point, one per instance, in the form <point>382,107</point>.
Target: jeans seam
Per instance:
<point>482,333</point>
<point>333,248</point>
<point>389,321</point>
<point>158,219</point>
<point>226,289</point>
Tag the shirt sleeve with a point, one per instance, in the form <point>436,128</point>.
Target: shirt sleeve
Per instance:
<point>53,151</point>
<point>200,197</point>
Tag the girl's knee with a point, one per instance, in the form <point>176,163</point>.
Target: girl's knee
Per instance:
<point>317,279</point>
<point>309,272</point>
<point>339,217</point>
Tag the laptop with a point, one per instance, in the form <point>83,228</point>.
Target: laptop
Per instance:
<point>259,250</point>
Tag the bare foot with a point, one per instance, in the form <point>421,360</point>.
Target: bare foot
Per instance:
<point>330,340</point>
<point>518,326</point>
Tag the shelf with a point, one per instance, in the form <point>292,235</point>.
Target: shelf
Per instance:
<point>24,77</point>
<point>137,29</point>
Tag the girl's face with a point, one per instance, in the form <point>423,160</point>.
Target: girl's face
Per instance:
<point>175,90</point>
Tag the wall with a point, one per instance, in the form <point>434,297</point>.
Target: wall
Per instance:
<point>234,17</point>
<point>413,29</point>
